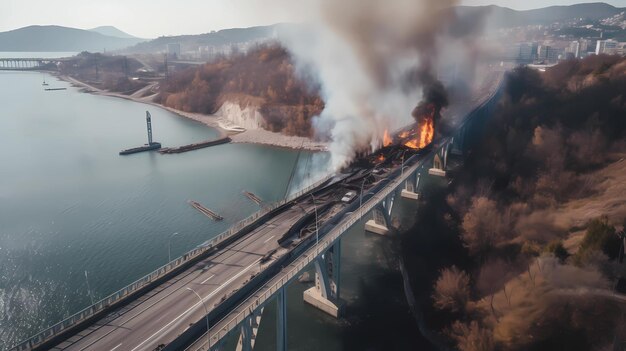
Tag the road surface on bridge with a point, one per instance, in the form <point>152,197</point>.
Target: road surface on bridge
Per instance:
<point>162,314</point>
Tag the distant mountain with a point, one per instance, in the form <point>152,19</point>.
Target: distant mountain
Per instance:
<point>501,17</point>
<point>56,38</point>
<point>112,32</point>
<point>219,38</point>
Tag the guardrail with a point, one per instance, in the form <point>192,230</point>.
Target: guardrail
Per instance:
<point>129,290</point>
<point>265,293</point>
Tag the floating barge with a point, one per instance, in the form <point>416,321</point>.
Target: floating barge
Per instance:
<point>151,145</point>
<point>253,197</point>
<point>53,89</point>
<point>196,146</point>
<point>205,211</point>
<point>146,147</point>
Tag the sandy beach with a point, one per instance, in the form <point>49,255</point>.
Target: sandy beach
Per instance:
<point>255,136</point>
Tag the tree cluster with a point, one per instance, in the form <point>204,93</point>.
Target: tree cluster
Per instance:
<point>542,149</point>
<point>288,102</point>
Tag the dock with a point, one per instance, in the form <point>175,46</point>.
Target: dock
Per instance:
<point>146,147</point>
<point>195,146</point>
<point>151,145</point>
<point>205,211</point>
<point>253,197</point>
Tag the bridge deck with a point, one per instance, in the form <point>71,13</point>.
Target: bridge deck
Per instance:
<point>294,269</point>
<point>160,316</point>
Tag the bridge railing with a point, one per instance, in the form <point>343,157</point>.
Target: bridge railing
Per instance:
<point>265,293</point>
<point>153,276</point>
<point>160,272</point>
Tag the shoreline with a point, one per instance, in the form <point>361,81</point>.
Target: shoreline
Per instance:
<point>255,136</point>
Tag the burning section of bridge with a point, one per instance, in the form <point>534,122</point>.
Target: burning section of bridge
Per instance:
<point>419,135</point>
<point>426,114</point>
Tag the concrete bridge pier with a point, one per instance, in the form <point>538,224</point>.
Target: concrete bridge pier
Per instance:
<point>325,294</point>
<point>381,221</point>
<point>440,162</point>
<point>411,187</point>
<point>249,331</point>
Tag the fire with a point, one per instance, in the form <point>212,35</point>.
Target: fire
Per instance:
<point>387,139</point>
<point>426,131</point>
<point>380,158</point>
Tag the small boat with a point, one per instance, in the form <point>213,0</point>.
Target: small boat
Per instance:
<point>44,82</point>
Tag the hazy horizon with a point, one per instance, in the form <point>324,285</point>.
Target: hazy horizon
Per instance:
<point>160,20</point>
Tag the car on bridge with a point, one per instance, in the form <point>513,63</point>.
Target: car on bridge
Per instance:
<point>348,197</point>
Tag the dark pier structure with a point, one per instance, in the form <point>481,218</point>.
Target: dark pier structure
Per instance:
<point>151,145</point>
<point>195,146</point>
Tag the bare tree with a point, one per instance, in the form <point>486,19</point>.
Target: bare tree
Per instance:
<point>472,337</point>
<point>481,226</point>
<point>452,290</point>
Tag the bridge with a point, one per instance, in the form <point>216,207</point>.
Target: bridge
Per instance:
<point>222,287</point>
<point>27,64</point>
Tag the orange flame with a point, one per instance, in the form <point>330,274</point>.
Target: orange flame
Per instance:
<point>380,158</point>
<point>387,139</point>
<point>424,135</point>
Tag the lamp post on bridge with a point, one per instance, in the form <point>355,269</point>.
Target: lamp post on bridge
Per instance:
<point>361,197</point>
<point>402,165</point>
<point>206,310</point>
<point>317,238</point>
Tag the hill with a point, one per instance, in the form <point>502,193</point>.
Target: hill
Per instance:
<point>216,39</point>
<point>501,17</point>
<point>57,38</point>
<point>264,77</point>
<point>112,32</point>
<point>497,17</point>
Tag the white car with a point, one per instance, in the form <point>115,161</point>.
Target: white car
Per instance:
<point>349,196</point>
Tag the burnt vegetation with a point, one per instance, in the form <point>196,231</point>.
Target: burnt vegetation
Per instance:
<point>264,77</point>
<point>521,271</point>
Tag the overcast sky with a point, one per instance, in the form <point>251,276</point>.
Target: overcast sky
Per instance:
<point>153,18</point>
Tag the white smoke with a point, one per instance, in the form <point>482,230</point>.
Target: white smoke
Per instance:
<point>367,55</point>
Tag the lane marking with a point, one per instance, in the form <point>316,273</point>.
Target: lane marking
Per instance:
<point>207,279</point>
<point>268,239</point>
<point>113,349</point>
<point>197,304</point>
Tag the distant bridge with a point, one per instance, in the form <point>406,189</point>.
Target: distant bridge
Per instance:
<point>27,64</point>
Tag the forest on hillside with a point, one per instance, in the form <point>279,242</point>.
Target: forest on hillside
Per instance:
<point>265,74</point>
<point>528,252</point>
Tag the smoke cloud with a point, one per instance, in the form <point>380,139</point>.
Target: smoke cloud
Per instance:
<point>375,61</point>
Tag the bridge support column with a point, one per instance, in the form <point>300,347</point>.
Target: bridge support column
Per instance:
<point>411,187</point>
<point>381,222</point>
<point>249,330</point>
<point>281,320</point>
<point>325,294</point>
<point>439,162</point>
<point>457,143</point>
